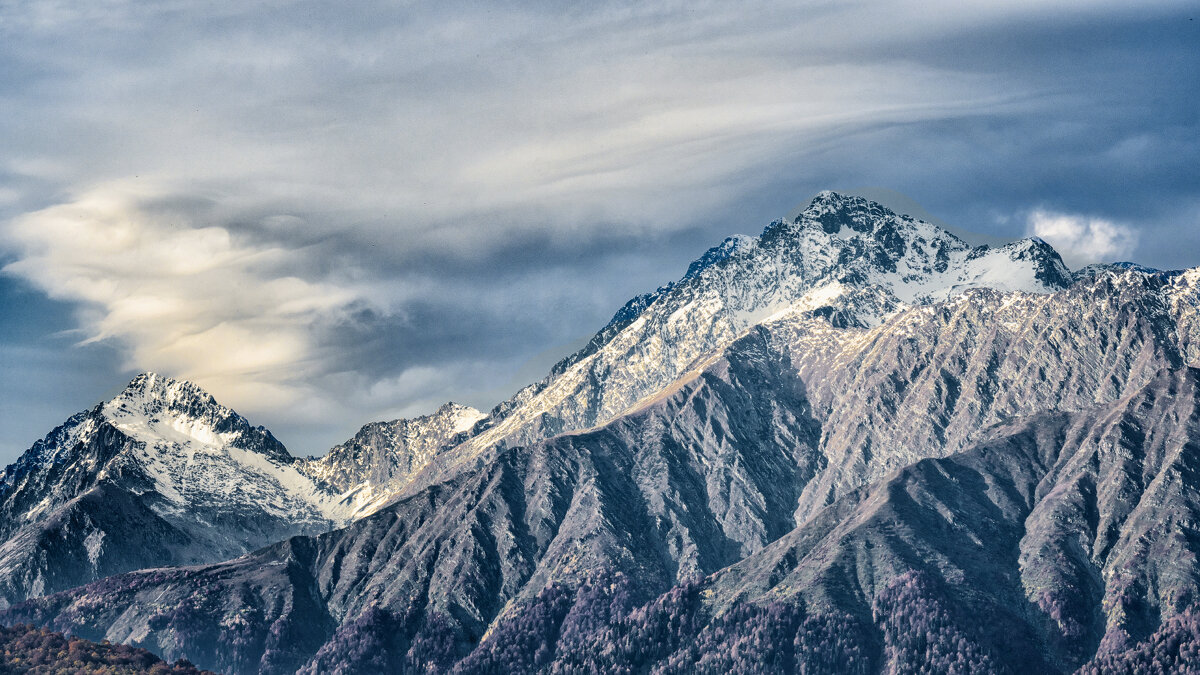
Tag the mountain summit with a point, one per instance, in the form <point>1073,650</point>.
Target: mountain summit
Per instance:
<point>160,406</point>
<point>845,259</point>
<point>371,468</point>
<point>160,474</point>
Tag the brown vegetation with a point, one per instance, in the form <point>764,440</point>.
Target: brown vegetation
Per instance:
<point>25,649</point>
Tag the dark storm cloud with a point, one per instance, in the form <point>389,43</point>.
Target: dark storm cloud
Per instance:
<point>328,214</point>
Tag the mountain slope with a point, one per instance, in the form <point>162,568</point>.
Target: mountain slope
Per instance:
<point>845,258</point>
<point>1081,526</point>
<point>161,474</point>
<point>465,548</point>
<point>752,471</point>
<point>844,255</point>
<point>929,380</point>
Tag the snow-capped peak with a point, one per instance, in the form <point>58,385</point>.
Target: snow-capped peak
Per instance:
<point>180,411</point>
<point>161,390</point>
<point>834,210</point>
<point>160,460</point>
<point>843,257</point>
<point>459,417</point>
<point>916,261</point>
<point>195,463</point>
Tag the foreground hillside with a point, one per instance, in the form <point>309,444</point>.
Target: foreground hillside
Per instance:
<point>853,444</point>
<point>24,649</point>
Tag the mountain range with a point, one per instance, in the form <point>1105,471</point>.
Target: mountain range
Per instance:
<point>854,443</point>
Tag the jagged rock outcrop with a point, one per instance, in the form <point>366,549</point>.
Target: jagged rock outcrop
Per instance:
<point>369,469</point>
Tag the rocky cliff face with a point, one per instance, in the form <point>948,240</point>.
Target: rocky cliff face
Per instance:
<point>1077,529</point>
<point>853,444</point>
<point>691,484</point>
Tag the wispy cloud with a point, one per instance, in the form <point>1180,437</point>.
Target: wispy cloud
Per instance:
<point>322,213</point>
<point>179,290</point>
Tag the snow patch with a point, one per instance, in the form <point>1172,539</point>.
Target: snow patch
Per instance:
<point>94,543</point>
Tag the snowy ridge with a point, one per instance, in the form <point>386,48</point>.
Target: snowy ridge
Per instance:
<point>367,470</point>
<point>813,416</point>
<point>1032,454</point>
<point>848,260</point>
<point>200,452</point>
<point>843,266</point>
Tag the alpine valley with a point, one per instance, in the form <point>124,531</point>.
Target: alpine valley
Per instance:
<point>854,443</point>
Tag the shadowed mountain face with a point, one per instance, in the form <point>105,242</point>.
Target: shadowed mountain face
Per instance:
<point>687,486</point>
<point>853,444</point>
<point>1078,529</point>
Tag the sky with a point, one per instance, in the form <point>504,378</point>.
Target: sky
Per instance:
<point>330,213</point>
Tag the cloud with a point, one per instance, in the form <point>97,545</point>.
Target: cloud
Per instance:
<point>419,118</point>
<point>1082,239</point>
<point>328,216</point>
<point>311,333</point>
<point>184,295</point>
